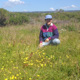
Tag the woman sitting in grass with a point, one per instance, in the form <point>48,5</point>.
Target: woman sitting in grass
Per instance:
<point>48,33</point>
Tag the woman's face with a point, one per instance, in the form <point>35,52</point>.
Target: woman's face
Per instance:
<point>48,21</point>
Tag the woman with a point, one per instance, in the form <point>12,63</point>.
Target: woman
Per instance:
<point>48,33</point>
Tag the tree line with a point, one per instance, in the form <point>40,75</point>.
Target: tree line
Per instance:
<point>13,18</point>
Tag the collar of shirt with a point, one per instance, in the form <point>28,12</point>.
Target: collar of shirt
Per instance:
<point>48,26</point>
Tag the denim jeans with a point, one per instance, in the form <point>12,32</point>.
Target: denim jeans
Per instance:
<point>55,41</point>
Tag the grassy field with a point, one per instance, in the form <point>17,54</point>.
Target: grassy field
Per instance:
<point>20,59</point>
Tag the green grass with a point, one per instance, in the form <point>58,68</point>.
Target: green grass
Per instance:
<point>20,59</point>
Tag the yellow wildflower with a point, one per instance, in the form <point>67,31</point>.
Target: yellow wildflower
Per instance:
<point>44,53</point>
<point>12,77</point>
<point>26,58</point>
<point>17,74</point>
<point>67,56</point>
<point>6,79</point>
<point>38,75</point>
<point>41,65</point>
<point>15,77</point>
<point>29,78</point>
<point>44,64</point>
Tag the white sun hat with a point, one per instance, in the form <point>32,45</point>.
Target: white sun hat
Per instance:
<point>48,17</point>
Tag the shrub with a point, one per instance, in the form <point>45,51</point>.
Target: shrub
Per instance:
<point>3,16</point>
<point>18,18</point>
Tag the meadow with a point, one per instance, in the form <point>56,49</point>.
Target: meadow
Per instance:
<point>20,58</point>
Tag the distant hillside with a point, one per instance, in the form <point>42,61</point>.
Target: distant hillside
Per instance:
<point>50,11</point>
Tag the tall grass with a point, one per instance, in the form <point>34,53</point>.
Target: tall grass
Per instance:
<point>20,59</point>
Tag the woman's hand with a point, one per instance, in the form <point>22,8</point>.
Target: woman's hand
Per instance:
<point>40,45</point>
<point>47,40</point>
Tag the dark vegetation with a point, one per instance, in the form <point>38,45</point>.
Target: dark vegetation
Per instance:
<point>14,18</point>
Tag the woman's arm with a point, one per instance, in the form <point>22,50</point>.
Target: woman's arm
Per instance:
<point>40,36</point>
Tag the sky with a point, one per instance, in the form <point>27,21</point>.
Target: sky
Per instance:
<point>39,5</point>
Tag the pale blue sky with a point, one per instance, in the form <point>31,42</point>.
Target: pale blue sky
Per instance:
<point>39,5</point>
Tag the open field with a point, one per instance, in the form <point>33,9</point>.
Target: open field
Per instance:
<point>20,59</point>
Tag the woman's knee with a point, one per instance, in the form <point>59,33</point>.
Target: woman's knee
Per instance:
<point>56,41</point>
